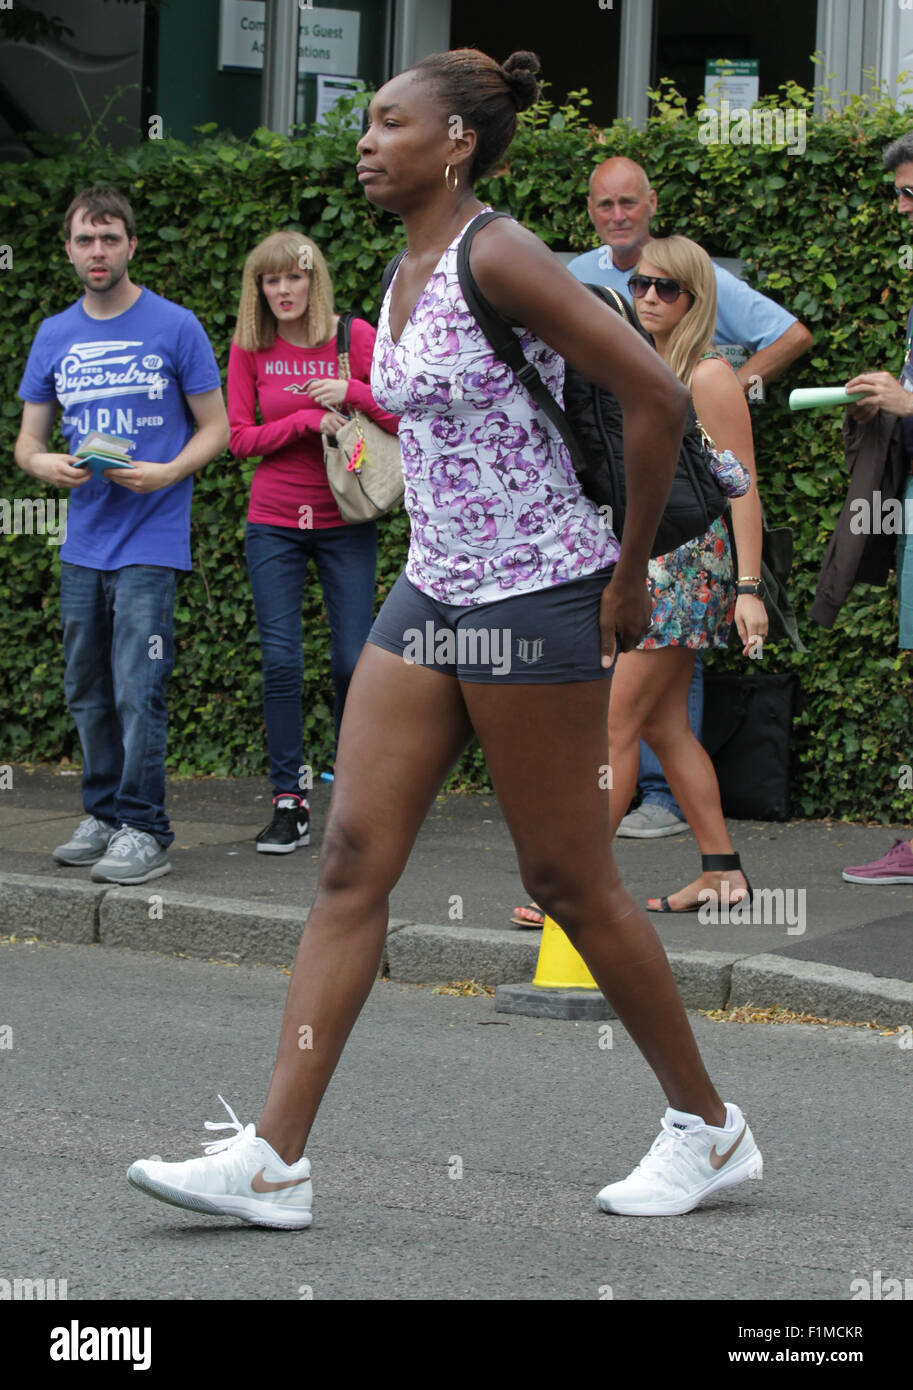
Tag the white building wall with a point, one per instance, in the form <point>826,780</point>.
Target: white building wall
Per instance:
<point>897,48</point>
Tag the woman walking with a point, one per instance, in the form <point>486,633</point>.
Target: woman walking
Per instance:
<point>503,542</point>
<point>284,363</point>
<point>695,595</point>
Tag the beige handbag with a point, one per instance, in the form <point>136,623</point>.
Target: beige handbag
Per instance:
<point>364,463</point>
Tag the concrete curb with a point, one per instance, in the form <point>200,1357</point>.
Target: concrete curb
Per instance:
<point>151,918</point>
<point>423,953</point>
<point>31,905</point>
<point>147,917</point>
<point>815,988</point>
<point>236,929</point>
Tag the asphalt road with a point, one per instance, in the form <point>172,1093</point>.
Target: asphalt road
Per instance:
<point>117,1054</point>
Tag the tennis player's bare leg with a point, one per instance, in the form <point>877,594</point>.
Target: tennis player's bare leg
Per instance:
<point>403,729</point>
<point>567,865</point>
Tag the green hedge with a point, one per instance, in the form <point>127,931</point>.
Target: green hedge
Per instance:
<point>820,224</point>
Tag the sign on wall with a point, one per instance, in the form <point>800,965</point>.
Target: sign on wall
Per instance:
<point>327,39</point>
<point>735,79</point>
<point>330,89</point>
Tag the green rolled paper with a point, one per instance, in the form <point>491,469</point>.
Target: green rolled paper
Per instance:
<point>819,397</point>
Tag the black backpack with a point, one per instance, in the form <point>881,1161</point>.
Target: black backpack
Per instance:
<point>591,423</point>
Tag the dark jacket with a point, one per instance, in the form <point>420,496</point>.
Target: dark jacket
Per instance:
<point>877,461</point>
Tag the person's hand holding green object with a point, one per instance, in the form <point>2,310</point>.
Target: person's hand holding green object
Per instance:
<point>882,392</point>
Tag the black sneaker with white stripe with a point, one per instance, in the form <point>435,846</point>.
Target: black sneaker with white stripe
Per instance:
<point>289,826</point>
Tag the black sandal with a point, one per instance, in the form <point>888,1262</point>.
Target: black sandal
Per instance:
<point>710,863</point>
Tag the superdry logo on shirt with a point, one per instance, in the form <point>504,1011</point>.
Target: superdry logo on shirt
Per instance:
<point>91,371</point>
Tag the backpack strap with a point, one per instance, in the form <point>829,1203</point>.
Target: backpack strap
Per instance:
<point>389,272</point>
<point>504,341</point>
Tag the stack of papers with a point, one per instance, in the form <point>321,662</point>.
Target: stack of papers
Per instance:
<point>99,451</point>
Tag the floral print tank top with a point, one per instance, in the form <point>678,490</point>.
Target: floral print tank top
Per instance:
<point>495,505</point>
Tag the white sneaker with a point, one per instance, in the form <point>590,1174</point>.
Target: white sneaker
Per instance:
<point>242,1176</point>
<point>686,1162</point>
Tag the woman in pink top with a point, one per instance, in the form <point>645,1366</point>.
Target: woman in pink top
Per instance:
<point>283,364</point>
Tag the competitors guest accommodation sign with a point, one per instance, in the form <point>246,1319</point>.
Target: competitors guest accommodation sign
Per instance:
<point>327,39</point>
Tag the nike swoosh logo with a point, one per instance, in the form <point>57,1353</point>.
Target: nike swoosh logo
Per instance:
<point>302,827</point>
<point>261,1184</point>
<point>717,1159</point>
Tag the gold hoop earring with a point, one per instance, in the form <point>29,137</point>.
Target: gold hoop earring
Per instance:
<point>451,188</point>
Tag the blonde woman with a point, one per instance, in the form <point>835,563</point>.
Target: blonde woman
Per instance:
<point>695,594</point>
<point>283,364</point>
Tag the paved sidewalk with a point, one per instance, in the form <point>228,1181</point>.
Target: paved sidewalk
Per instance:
<point>815,943</point>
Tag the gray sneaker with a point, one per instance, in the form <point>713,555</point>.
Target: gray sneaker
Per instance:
<point>133,856</point>
<point>650,821</point>
<point>88,844</point>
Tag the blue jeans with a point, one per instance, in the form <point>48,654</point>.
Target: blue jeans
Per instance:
<point>277,561</point>
<point>650,777</point>
<point>118,643</point>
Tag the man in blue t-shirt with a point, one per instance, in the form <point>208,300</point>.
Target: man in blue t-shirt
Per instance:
<point>621,204</point>
<point>120,362</point>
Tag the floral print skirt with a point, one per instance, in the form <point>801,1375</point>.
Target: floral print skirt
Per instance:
<point>693,593</point>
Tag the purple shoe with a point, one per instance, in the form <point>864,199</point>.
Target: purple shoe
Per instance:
<point>894,867</point>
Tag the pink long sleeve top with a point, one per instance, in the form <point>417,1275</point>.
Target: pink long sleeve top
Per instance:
<point>291,475</point>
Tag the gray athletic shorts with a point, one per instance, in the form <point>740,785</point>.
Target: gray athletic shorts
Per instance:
<point>549,637</point>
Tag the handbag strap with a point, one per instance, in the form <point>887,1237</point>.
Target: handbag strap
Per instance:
<point>343,340</point>
<point>618,302</point>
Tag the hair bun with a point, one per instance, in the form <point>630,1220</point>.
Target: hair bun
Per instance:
<point>520,74</point>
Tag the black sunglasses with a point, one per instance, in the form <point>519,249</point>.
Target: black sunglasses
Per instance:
<point>895,192</point>
<point>668,290</point>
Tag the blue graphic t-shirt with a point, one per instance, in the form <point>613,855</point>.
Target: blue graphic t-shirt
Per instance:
<point>127,376</point>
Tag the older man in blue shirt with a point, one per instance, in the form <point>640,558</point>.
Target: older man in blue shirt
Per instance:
<point>621,204</point>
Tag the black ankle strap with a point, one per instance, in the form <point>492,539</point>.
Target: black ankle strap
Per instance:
<point>712,862</point>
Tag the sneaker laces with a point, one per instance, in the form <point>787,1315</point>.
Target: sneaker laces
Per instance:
<point>123,841</point>
<point>89,827</point>
<point>670,1146</point>
<point>241,1132</point>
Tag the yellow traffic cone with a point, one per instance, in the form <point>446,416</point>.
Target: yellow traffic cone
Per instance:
<point>559,965</point>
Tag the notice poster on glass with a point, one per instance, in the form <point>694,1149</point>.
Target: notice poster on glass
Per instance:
<point>327,38</point>
<point>330,89</point>
<point>736,80</point>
